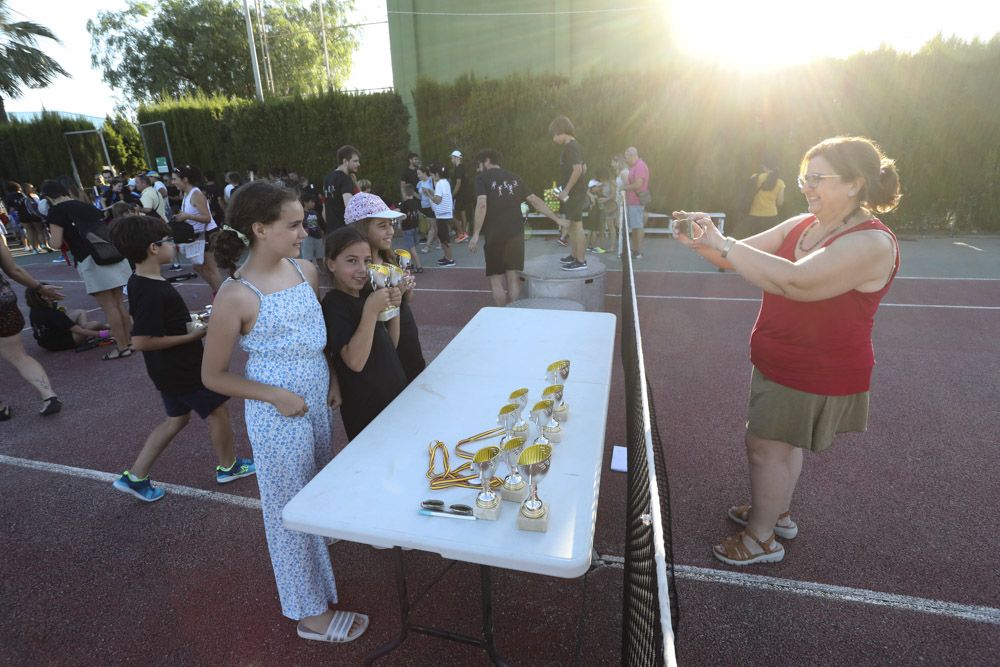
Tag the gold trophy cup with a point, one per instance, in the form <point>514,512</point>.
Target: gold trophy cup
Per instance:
<point>520,397</point>
<point>534,462</point>
<point>514,487</point>
<point>380,276</point>
<point>557,373</point>
<point>487,501</point>
<point>541,414</point>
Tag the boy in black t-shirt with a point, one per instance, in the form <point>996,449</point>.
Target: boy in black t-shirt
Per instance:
<point>411,224</point>
<point>171,346</point>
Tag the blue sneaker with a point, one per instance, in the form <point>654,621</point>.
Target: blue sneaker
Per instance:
<point>143,489</point>
<point>240,468</point>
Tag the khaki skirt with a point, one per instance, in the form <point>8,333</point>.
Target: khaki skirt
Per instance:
<point>808,421</point>
<point>97,278</point>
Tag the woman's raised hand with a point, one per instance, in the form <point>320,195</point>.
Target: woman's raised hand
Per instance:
<point>705,233</point>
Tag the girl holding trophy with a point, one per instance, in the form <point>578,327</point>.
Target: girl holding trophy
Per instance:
<point>362,349</point>
<point>376,221</point>
<point>270,306</point>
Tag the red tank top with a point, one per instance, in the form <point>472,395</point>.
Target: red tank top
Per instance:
<point>822,347</point>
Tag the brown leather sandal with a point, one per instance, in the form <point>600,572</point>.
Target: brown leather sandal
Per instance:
<point>741,514</point>
<point>733,551</point>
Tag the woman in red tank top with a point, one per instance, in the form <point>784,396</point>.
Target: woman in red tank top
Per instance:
<point>824,274</point>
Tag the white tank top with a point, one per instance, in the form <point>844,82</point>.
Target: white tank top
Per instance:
<point>191,209</point>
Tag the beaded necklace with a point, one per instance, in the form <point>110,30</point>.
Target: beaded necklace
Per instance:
<point>828,234</point>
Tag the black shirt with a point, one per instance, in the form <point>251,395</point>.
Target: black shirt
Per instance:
<point>367,393</point>
<point>409,176</point>
<point>572,155</point>
<point>51,328</point>
<point>408,349</point>
<point>459,173</point>
<point>411,207</point>
<point>213,193</point>
<point>335,186</point>
<point>504,191</point>
<point>76,217</point>
<point>157,309</point>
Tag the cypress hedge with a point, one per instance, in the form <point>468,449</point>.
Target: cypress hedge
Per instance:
<point>301,134</point>
<point>703,129</point>
<point>37,150</point>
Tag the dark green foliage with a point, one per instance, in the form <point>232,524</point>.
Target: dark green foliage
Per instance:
<point>124,144</point>
<point>703,129</point>
<point>300,133</point>
<point>37,150</point>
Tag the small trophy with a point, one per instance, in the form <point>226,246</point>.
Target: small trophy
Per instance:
<point>379,275</point>
<point>541,414</point>
<point>533,463</point>
<point>555,392</point>
<point>507,418</point>
<point>196,323</point>
<point>520,397</point>
<point>558,373</point>
<point>514,488</point>
<point>487,501</point>
<point>404,258</point>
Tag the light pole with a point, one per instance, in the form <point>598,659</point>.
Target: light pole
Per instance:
<point>253,51</point>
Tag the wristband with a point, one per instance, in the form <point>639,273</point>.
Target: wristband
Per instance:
<point>728,245</point>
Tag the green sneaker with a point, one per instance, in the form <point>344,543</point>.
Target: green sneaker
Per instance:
<point>240,468</point>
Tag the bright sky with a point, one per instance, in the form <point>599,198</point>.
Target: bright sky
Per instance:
<point>752,35</point>
<point>85,93</point>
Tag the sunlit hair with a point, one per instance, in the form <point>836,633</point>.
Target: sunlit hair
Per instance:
<point>859,157</point>
<point>260,201</point>
<point>562,125</point>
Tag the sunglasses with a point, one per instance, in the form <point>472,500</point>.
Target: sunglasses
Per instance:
<point>436,506</point>
<point>159,243</point>
<point>813,180</point>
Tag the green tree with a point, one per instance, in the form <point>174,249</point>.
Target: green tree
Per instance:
<point>22,63</point>
<point>124,144</point>
<point>183,47</point>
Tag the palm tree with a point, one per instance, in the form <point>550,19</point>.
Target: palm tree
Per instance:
<point>22,63</point>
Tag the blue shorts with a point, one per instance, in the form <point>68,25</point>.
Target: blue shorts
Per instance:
<point>410,237</point>
<point>635,216</point>
<point>203,401</point>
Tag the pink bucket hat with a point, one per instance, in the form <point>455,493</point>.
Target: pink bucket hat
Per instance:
<point>366,205</point>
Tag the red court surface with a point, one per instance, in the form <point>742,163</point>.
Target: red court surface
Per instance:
<point>895,562</point>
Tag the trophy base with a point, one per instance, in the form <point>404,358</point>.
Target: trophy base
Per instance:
<point>538,525</point>
<point>388,314</point>
<point>553,434</point>
<point>562,414</point>
<point>521,431</point>
<point>487,513</point>
<point>514,495</point>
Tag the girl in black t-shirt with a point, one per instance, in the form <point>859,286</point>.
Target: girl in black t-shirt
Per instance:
<point>378,228</point>
<point>362,349</point>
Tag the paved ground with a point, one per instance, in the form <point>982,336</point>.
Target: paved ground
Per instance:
<point>895,562</point>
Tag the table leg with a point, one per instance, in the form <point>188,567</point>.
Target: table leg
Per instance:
<point>404,611</point>
<point>486,643</point>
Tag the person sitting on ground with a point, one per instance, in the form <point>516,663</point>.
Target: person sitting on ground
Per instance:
<point>57,329</point>
<point>172,351</point>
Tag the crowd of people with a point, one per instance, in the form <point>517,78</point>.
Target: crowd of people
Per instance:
<point>266,245</point>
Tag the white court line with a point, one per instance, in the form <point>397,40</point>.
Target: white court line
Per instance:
<point>964,612</point>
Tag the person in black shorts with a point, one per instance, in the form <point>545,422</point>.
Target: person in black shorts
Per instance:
<point>573,190</point>
<point>499,194</point>
<point>56,329</point>
<point>172,351</point>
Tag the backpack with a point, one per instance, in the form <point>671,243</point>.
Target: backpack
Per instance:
<point>97,237</point>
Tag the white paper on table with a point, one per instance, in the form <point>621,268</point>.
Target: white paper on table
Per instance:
<point>619,459</point>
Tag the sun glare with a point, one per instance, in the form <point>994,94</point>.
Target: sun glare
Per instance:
<point>780,33</point>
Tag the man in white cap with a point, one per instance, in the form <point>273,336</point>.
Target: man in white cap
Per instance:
<point>461,191</point>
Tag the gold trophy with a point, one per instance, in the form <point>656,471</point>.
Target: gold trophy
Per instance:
<point>520,397</point>
<point>541,414</point>
<point>558,373</point>
<point>514,487</point>
<point>380,275</point>
<point>533,463</point>
<point>404,258</point>
<point>507,418</point>
<point>487,501</point>
<point>555,393</point>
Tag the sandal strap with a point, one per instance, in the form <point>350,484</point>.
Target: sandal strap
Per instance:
<point>339,626</point>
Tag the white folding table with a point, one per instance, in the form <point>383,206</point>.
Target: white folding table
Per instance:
<point>371,492</point>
